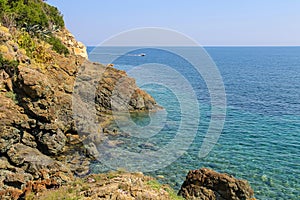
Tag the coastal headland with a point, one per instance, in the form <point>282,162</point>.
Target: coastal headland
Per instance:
<point>42,154</point>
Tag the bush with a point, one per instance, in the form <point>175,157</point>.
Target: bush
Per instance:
<point>32,12</point>
<point>36,19</point>
<point>55,17</point>
<point>33,50</point>
<point>26,42</point>
<point>57,45</point>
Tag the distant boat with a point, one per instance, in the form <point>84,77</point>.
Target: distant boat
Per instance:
<point>141,54</point>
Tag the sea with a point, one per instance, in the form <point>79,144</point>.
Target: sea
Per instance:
<point>259,140</point>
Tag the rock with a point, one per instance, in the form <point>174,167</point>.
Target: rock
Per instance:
<point>73,139</point>
<point>116,91</point>
<point>209,185</point>
<point>160,177</point>
<point>29,140</point>
<point>3,80</point>
<point>12,176</point>
<point>11,121</point>
<point>34,83</point>
<point>37,164</point>
<point>110,65</point>
<point>51,143</point>
<point>148,145</point>
<point>115,185</point>
<point>68,39</point>
<point>114,143</point>
<point>8,137</point>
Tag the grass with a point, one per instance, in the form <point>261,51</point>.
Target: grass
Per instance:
<point>78,188</point>
<point>154,184</point>
<point>63,193</point>
<point>173,194</point>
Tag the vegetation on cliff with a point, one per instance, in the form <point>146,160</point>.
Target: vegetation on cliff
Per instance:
<point>36,20</point>
<point>29,13</point>
<point>4,63</point>
<point>111,185</point>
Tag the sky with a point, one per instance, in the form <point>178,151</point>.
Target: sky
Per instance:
<point>209,22</point>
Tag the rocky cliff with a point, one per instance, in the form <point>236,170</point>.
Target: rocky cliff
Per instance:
<point>39,142</point>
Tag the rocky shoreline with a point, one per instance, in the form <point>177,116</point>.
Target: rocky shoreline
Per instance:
<point>38,136</point>
<point>45,146</point>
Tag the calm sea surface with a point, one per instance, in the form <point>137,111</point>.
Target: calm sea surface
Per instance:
<point>260,141</point>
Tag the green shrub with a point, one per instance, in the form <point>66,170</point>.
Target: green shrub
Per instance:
<point>154,184</point>
<point>32,12</point>
<point>35,17</point>
<point>57,45</point>
<point>4,64</point>
<point>26,42</point>
<point>173,195</point>
<point>4,7</point>
<point>54,16</point>
<point>33,50</point>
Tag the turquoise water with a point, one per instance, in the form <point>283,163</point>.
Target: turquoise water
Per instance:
<point>260,141</point>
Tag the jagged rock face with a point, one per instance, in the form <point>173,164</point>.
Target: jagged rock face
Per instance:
<point>12,179</point>
<point>34,162</point>
<point>24,164</point>
<point>207,184</point>
<point>116,91</point>
<point>12,119</point>
<point>51,143</point>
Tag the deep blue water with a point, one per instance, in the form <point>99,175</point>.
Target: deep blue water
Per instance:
<point>260,141</point>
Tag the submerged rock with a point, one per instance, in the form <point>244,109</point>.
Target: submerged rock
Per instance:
<point>207,184</point>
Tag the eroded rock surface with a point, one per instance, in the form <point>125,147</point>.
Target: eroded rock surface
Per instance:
<point>113,186</point>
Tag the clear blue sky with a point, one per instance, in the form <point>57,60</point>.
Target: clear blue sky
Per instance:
<point>209,22</point>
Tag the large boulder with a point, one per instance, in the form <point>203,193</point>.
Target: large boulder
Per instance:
<point>206,184</point>
<point>37,164</point>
